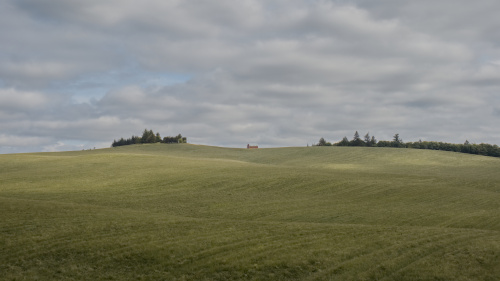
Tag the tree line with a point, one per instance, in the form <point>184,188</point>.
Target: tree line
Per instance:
<point>370,141</point>
<point>148,136</point>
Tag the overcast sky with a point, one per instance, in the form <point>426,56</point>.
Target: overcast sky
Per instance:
<point>77,74</point>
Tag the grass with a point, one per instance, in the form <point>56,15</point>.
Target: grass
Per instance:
<point>187,212</point>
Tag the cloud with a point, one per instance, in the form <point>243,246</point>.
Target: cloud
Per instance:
<point>12,100</point>
<point>276,73</point>
<point>18,141</point>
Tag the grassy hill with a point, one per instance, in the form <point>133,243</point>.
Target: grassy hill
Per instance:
<point>188,212</point>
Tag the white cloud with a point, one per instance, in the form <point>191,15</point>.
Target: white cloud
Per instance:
<point>36,70</point>
<point>16,100</point>
<point>21,141</point>
<point>61,146</point>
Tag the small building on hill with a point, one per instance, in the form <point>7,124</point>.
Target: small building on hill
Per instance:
<point>252,146</point>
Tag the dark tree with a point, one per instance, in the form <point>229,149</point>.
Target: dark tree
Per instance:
<point>148,136</point>
<point>383,143</point>
<point>357,141</point>
<point>343,142</point>
<point>397,141</point>
<point>481,149</point>
<point>373,141</point>
<point>367,138</point>
<point>179,138</point>
<point>136,139</point>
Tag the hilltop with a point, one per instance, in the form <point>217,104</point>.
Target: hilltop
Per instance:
<point>191,212</point>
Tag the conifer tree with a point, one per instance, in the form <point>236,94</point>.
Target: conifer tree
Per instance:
<point>357,141</point>
<point>397,141</point>
<point>367,139</point>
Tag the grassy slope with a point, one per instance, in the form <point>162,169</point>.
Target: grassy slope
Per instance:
<point>195,212</point>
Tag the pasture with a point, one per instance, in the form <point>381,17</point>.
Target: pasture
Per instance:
<point>189,212</point>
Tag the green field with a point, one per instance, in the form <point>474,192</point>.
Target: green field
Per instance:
<point>188,212</point>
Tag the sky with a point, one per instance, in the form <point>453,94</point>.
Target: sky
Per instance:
<point>78,74</point>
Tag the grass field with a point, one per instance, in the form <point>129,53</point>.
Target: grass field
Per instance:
<point>188,212</point>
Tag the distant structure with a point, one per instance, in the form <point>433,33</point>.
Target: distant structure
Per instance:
<point>252,146</point>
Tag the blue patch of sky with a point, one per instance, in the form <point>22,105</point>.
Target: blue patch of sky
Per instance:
<point>77,144</point>
<point>94,86</point>
<point>483,59</point>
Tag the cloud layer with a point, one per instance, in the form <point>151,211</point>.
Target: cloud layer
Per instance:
<point>77,74</point>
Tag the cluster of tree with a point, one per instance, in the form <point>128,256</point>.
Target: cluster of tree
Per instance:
<point>356,141</point>
<point>471,148</point>
<point>148,136</point>
<point>480,149</point>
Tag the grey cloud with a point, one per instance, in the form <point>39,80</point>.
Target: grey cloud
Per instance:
<point>279,73</point>
<point>496,111</point>
<point>14,100</point>
<point>451,19</point>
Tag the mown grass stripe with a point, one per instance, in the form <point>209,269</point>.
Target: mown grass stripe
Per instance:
<point>408,248</point>
<point>193,212</point>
